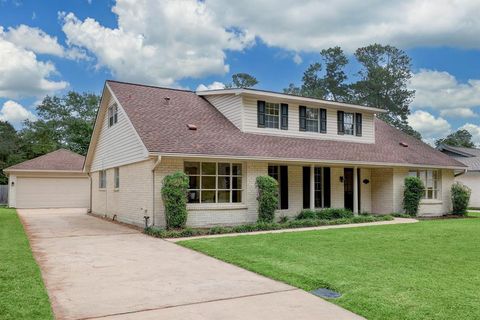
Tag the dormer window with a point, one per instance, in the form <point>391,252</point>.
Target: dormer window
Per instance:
<point>272,115</point>
<point>112,115</point>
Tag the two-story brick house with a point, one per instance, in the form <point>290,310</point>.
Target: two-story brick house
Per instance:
<point>323,154</point>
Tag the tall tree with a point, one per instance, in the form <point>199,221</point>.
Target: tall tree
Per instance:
<point>242,80</point>
<point>384,75</point>
<point>460,138</point>
<point>65,122</point>
<point>10,152</point>
<point>334,81</point>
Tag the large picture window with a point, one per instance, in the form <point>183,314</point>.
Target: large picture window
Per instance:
<point>272,115</point>
<point>431,181</point>
<point>212,182</point>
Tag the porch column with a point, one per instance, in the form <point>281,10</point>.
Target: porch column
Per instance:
<point>355,191</point>
<point>312,186</point>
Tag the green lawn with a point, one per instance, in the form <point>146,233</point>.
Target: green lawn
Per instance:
<point>22,293</point>
<point>427,270</point>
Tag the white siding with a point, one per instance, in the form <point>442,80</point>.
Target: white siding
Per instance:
<point>472,180</point>
<point>382,190</point>
<point>117,145</point>
<point>250,124</point>
<point>230,106</point>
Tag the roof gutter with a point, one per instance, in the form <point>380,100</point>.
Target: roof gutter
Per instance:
<point>461,173</point>
<point>303,160</point>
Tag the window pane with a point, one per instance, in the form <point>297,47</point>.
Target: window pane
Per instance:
<point>237,169</point>
<point>224,169</point>
<point>223,182</point>
<point>236,196</point>
<point>412,173</point>
<point>208,196</point>
<point>192,167</point>
<point>236,183</point>
<point>348,123</point>
<point>208,168</point>
<point>193,182</point>
<point>312,119</point>
<point>193,196</point>
<point>272,115</point>
<point>208,182</point>
<point>223,196</point>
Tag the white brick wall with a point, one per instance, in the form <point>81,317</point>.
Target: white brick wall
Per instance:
<point>132,201</point>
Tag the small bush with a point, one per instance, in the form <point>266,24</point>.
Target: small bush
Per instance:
<point>260,226</point>
<point>460,198</point>
<point>413,193</point>
<point>267,198</point>
<point>283,219</point>
<point>174,194</point>
<point>325,214</point>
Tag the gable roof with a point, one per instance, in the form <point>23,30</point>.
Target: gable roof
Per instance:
<point>160,116</point>
<point>468,156</point>
<point>59,160</point>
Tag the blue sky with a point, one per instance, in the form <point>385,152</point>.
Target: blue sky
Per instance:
<point>50,47</point>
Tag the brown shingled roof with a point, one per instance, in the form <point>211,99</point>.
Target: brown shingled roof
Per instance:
<point>61,160</point>
<point>162,125</point>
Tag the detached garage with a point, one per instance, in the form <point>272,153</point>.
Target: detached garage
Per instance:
<point>54,180</point>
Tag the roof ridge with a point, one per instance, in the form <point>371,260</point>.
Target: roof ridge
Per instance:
<point>149,86</point>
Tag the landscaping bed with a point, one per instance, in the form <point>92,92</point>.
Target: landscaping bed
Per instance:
<point>262,226</point>
<point>23,295</point>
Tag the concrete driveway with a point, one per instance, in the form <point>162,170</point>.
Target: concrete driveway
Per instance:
<point>97,269</point>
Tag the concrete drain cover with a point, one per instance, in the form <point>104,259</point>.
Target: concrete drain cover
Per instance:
<point>325,293</point>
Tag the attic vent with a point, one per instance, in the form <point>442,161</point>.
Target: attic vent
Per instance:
<point>404,144</point>
<point>191,127</point>
<point>167,100</point>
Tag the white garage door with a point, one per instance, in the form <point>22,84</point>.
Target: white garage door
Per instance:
<point>52,192</point>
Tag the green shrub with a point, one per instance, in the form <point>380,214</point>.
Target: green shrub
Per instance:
<point>324,214</point>
<point>261,226</point>
<point>307,214</point>
<point>413,193</point>
<point>460,198</point>
<point>283,219</point>
<point>267,198</point>
<point>174,194</point>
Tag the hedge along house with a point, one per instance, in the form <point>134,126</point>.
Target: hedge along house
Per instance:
<point>323,154</point>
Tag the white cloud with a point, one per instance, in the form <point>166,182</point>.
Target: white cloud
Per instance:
<point>158,42</point>
<point>39,42</point>
<point>22,74</point>
<point>213,86</point>
<point>297,58</point>
<point>474,130</point>
<point>312,25</point>
<point>15,113</point>
<point>429,126</point>
<point>441,91</point>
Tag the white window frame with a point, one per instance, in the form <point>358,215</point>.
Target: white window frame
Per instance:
<point>310,110</point>
<point>217,190</point>
<point>102,179</point>
<point>116,178</point>
<point>112,115</point>
<point>271,116</point>
<point>345,131</point>
<point>431,179</point>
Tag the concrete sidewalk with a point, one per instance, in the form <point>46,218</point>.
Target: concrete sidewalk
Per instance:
<point>94,269</point>
<point>339,226</point>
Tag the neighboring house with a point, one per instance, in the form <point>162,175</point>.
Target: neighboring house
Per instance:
<point>54,180</point>
<point>323,153</point>
<point>470,157</point>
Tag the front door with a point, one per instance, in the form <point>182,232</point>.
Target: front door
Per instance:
<point>348,188</point>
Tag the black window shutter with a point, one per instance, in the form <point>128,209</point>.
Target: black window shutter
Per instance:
<point>341,126</point>
<point>323,121</point>
<point>283,187</point>
<point>303,118</point>
<point>306,187</point>
<point>358,124</point>
<point>326,188</point>
<point>261,114</point>
<point>284,116</point>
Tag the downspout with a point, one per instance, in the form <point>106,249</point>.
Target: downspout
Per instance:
<point>155,165</point>
<point>90,202</point>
